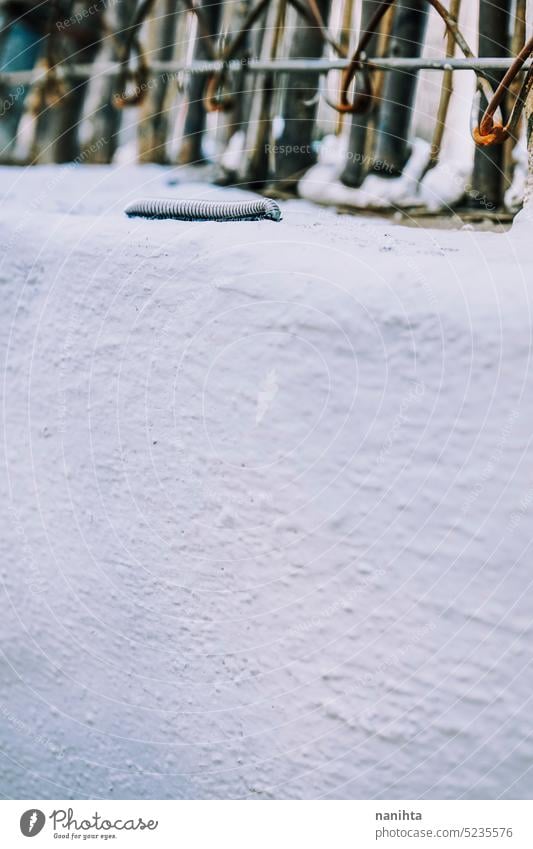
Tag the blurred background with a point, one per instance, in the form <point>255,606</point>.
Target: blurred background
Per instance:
<point>102,81</point>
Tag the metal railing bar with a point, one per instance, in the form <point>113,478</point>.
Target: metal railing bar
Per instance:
<point>296,66</point>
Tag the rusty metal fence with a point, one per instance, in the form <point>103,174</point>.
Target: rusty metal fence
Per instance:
<point>180,80</point>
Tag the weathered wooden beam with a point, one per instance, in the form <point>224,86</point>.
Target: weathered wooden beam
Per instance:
<point>446,90</point>
<point>356,167</point>
<point>107,119</point>
<point>528,200</point>
<point>494,40</point>
<point>153,127</point>
<point>293,151</point>
<point>264,40</point>
<point>57,133</point>
<point>190,151</point>
<point>396,109</point>
<point>20,46</point>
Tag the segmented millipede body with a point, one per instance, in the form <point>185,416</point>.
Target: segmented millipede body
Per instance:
<point>205,210</point>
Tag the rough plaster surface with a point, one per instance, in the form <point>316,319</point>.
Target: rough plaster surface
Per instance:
<point>268,495</point>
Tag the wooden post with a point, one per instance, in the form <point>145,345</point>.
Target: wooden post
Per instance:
<point>445,92</point>
<point>517,42</point>
<point>355,168</point>
<point>494,40</point>
<point>239,87</point>
<point>153,121</point>
<point>57,133</point>
<point>264,40</point>
<point>528,199</point>
<point>190,151</point>
<point>107,119</point>
<point>19,49</point>
<point>396,109</point>
<point>293,151</point>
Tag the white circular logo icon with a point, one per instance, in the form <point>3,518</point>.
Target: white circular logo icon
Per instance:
<point>32,822</point>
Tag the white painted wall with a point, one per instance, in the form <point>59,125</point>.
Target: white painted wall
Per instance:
<point>268,493</point>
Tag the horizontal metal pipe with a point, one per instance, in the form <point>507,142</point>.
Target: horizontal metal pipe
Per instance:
<point>255,66</point>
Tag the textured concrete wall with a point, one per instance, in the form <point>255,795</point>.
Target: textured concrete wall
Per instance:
<point>268,494</point>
